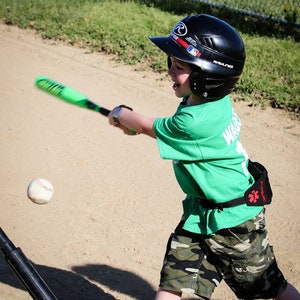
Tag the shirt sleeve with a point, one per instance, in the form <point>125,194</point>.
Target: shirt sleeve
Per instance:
<point>175,139</point>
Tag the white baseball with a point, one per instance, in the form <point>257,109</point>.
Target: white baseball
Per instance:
<point>40,191</point>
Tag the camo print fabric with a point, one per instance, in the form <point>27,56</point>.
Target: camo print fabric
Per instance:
<point>186,267</point>
<point>240,255</point>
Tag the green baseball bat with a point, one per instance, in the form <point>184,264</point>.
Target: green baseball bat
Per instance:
<point>68,94</point>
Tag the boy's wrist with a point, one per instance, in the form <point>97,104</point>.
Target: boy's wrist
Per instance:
<point>117,111</point>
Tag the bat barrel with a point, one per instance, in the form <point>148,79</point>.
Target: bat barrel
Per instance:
<point>68,94</point>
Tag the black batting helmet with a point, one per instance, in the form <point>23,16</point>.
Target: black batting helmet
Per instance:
<point>213,47</point>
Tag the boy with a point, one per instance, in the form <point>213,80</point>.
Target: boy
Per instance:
<point>220,236</point>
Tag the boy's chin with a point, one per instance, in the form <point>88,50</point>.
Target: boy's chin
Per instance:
<point>178,95</point>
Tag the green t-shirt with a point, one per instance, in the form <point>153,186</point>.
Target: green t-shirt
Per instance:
<point>209,162</point>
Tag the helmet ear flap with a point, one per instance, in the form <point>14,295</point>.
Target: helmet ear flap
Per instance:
<point>197,83</point>
<point>169,62</point>
<point>213,88</point>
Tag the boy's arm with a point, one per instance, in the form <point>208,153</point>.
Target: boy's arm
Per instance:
<point>127,119</point>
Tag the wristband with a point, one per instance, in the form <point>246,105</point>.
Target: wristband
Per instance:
<point>117,112</point>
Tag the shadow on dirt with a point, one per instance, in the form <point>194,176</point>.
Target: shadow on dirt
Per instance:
<point>78,283</point>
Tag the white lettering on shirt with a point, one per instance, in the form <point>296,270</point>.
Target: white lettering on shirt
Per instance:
<point>232,132</point>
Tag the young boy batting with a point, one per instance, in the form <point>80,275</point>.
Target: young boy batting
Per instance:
<point>222,233</point>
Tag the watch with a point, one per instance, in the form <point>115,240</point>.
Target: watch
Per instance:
<point>117,112</point>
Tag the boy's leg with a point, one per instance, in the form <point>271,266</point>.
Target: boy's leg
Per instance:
<point>289,293</point>
<point>186,268</point>
<point>167,295</point>
<point>247,261</point>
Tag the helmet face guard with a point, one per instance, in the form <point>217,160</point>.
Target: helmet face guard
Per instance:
<point>213,47</point>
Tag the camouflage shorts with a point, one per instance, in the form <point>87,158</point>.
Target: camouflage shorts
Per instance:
<point>240,255</point>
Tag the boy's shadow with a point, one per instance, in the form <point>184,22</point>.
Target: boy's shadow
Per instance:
<point>74,285</point>
<point>122,281</point>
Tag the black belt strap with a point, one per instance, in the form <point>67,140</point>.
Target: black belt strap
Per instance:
<point>259,194</point>
<point>212,205</point>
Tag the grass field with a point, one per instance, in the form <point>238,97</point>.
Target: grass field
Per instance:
<point>121,28</point>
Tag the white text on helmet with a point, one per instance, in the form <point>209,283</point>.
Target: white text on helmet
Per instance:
<point>192,41</point>
<point>222,64</point>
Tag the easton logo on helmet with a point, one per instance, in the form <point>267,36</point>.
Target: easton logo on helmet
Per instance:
<point>180,29</point>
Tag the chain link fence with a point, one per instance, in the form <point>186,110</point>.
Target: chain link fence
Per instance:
<point>286,11</point>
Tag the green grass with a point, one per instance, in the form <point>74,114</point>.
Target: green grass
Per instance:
<point>272,72</point>
<point>121,28</point>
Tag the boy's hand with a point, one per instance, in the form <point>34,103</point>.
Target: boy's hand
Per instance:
<point>128,131</point>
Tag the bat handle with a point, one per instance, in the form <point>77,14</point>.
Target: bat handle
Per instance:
<point>104,111</point>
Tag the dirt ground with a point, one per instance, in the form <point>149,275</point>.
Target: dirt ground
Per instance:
<point>103,234</point>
